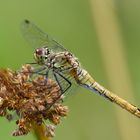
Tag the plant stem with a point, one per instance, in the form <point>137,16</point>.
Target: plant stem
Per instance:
<point>39,132</point>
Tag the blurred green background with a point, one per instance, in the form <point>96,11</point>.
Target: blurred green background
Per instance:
<point>105,36</point>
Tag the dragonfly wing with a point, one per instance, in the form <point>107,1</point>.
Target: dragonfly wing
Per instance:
<point>63,81</point>
<point>37,38</point>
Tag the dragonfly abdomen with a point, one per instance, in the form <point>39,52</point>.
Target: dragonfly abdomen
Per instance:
<point>83,77</point>
<point>85,80</point>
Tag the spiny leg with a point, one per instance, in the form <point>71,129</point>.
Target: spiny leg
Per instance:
<point>62,92</point>
<point>59,82</point>
<point>43,74</point>
<point>65,80</point>
<point>39,70</point>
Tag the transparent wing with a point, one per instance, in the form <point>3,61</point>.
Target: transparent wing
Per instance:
<point>37,38</point>
<point>64,81</point>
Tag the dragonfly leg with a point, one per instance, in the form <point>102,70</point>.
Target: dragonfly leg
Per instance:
<point>43,74</point>
<point>65,80</point>
<point>32,63</point>
<point>58,82</point>
<point>46,75</point>
<point>39,70</point>
<point>62,91</point>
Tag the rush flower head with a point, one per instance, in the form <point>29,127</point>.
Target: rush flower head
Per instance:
<point>33,101</point>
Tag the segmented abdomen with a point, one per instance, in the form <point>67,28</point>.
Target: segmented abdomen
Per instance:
<point>85,79</point>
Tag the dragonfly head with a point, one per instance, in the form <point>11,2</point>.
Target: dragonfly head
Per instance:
<point>41,55</point>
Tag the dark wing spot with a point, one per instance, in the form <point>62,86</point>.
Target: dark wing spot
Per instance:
<point>27,21</point>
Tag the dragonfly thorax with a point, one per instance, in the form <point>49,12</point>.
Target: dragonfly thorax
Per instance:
<point>55,60</point>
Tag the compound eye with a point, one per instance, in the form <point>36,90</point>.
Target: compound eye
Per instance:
<point>39,51</point>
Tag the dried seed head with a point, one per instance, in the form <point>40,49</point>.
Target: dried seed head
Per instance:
<point>33,100</point>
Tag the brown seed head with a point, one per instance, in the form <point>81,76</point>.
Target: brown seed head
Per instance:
<point>33,100</point>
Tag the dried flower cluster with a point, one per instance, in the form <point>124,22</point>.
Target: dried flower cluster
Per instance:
<point>32,101</point>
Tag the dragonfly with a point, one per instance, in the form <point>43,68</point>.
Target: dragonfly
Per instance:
<point>58,63</point>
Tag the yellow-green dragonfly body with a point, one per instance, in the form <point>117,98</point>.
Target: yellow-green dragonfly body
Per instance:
<point>53,59</point>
